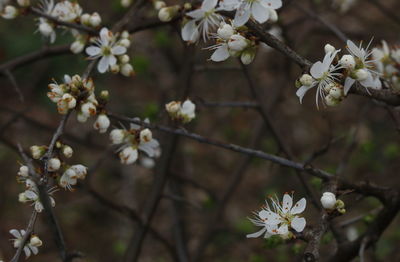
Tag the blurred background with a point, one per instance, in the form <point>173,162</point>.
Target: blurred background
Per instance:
<point>202,185</point>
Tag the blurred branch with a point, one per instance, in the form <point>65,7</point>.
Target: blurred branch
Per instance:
<point>385,10</point>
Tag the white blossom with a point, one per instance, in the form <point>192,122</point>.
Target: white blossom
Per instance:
<point>105,48</point>
<point>54,164</point>
<point>9,12</point>
<point>37,151</point>
<point>102,123</point>
<point>31,247</point>
<point>280,218</point>
<point>46,28</point>
<point>128,155</point>
<point>328,200</point>
<point>23,171</point>
<point>117,136</point>
<point>67,11</point>
<point>24,3</point>
<point>67,151</point>
<point>94,20</point>
<point>32,195</point>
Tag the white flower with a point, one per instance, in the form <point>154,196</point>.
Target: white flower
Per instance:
<point>67,151</point>
<point>329,48</point>
<point>54,164</point>
<point>127,70</point>
<point>328,200</point>
<point>106,48</point>
<point>188,110</point>
<point>126,3</point>
<point>88,109</point>
<point>67,11</point>
<point>382,57</point>
<point>367,77</point>
<point>77,46</point>
<point>146,135</point>
<point>279,219</point>
<point>248,56</point>
<point>46,28</point>
<point>173,107</point>
<point>306,80</point>
<point>237,43</point>
<point>259,10</point>
<point>165,14</point>
<point>117,136</point>
<point>23,171</point>
<point>128,155</point>
<point>30,247</point>
<point>85,19</point>
<point>32,195</point>
<point>203,21</point>
<point>225,31</point>
<point>324,75</point>
<point>68,179</point>
<point>102,123</point>
<point>94,20</point>
<point>37,151</point>
<point>347,61</point>
<point>80,171</point>
<point>9,12</point>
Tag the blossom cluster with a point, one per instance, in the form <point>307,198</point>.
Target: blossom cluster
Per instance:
<point>77,93</point>
<point>182,112</point>
<point>132,140</point>
<point>334,76</point>
<point>31,246</point>
<point>280,218</point>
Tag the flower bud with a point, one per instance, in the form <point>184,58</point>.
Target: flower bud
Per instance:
<point>187,6</point>
<point>37,151</point>
<point>102,123</point>
<point>159,4</point>
<point>79,170</point>
<point>81,117</point>
<point>115,69</point>
<point>127,70</point>
<point>46,29</point>
<point>126,3</point>
<point>225,31</point>
<point>104,95</point>
<point>247,56</point>
<point>54,164</point>
<point>70,100</point>
<point>88,109</point>
<point>125,34</point>
<point>336,92</point>
<point>117,136</point>
<point>67,151</point>
<point>173,107</point>
<point>124,59</point>
<point>77,47</point>
<point>23,171</point>
<point>125,42</point>
<point>188,111</point>
<point>166,14</point>
<point>361,74</point>
<point>22,198</point>
<point>328,200</point>
<point>273,15</point>
<point>348,61</point>
<point>85,19</point>
<point>35,241</point>
<point>24,3</point>
<point>9,12</point>
<point>329,48</point>
<point>128,155</point>
<point>331,101</point>
<point>145,135</point>
<point>95,19</point>
<point>306,80</point>
<point>237,43</point>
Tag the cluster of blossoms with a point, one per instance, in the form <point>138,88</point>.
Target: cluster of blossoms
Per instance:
<point>77,93</point>
<point>231,39</point>
<point>111,50</point>
<point>334,76</point>
<point>279,219</point>
<point>181,112</point>
<point>387,63</point>
<point>132,140</point>
<point>31,246</point>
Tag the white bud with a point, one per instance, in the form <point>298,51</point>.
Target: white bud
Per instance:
<point>124,59</point>
<point>173,107</point>
<point>67,151</point>
<point>88,109</point>
<point>126,3</point>
<point>336,92</point>
<point>128,155</point>
<point>166,14</point>
<point>9,12</point>
<point>159,4</point>
<point>237,43</point>
<point>188,111</point>
<point>37,151</point>
<point>306,80</point>
<point>35,241</point>
<point>125,42</point>
<point>328,200</point>
<point>348,61</point>
<point>331,101</point>
<point>79,170</point>
<point>362,74</point>
<point>77,47</point>
<point>117,136</point>
<point>127,70</point>
<point>70,100</point>
<point>273,15</point>
<point>95,19</point>
<point>329,48</point>
<point>24,3</point>
<point>102,123</point>
<point>54,164</point>
<point>145,135</point>
<point>115,69</point>
<point>23,171</point>
<point>46,29</point>
<point>247,56</point>
<point>81,117</point>
<point>85,19</point>
<point>225,31</point>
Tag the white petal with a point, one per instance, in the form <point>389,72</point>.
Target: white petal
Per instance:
<point>118,50</point>
<point>93,50</point>
<point>105,36</point>
<point>283,230</point>
<point>299,206</point>
<point>298,223</point>
<point>347,84</point>
<point>207,5</point>
<point>112,60</point>
<point>196,14</point>
<point>317,69</point>
<point>242,15</point>
<point>15,233</point>
<point>27,251</point>
<point>269,217</point>
<point>103,64</point>
<point>257,234</point>
<point>220,54</point>
<point>190,32</point>
<point>35,250</point>
<point>302,91</point>
<point>287,203</point>
<point>145,147</point>
<point>259,12</point>
<point>274,4</point>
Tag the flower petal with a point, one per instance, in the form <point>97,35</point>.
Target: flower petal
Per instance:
<point>93,50</point>
<point>302,91</point>
<point>257,234</point>
<point>220,54</point>
<point>298,223</point>
<point>347,84</point>
<point>15,233</point>
<point>189,32</point>
<point>287,203</point>
<point>259,12</point>
<point>274,4</point>
<point>283,230</point>
<point>317,69</point>
<point>103,64</point>
<point>207,5</point>
<point>118,50</point>
<point>242,15</point>
<point>269,217</point>
<point>299,206</point>
<point>196,14</point>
